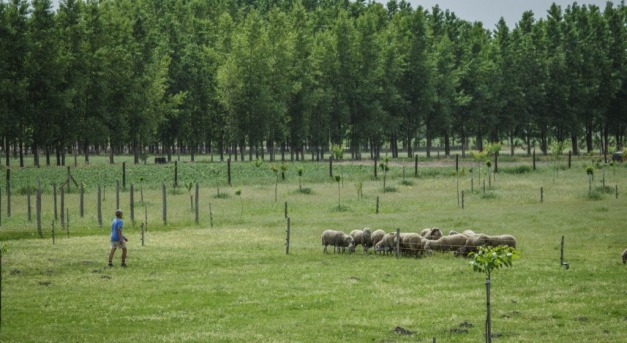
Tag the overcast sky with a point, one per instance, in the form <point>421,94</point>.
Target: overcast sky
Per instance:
<point>490,11</point>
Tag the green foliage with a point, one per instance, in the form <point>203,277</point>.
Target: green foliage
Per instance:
<point>493,148</point>
<point>389,189</point>
<point>487,259</point>
<point>523,169</point>
<point>337,150</point>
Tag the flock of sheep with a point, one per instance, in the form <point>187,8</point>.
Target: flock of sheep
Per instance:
<point>415,244</point>
<point>412,244</point>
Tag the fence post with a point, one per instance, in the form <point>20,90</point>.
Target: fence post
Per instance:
<point>67,223</point>
<point>176,174</point>
<point>142,234</point>
<point>375,167</point>
<point>285,211</point>
<point>616,191</point>
<point>124,175</point>
<point>117,194</point>
<point>541,194</point>
<point>54,195</point>
<point>99,202</point>
<point>416,165</point>
<point>28,202</point>
<point>68,179</point>
<point>462,200</point>
<point>457,163</point>
<point>196,202</point>
<point>38,209</point>
<point>377,205</point>
<point>165,204</point>
<point>331,166</point>
<point>53,232</point>
<point>82,204</point>
<point>210,216</point>
<point>132,204</point>
<point>287,240</point>
<point>228,170</point>
<point>62,209</point>
<point>9,193</point>
<point>562,263</point>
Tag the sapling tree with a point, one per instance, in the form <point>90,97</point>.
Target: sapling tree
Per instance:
<point>486,260</point>
<point>283,170</point>
<point>479,157</point>
<point>337,150</point>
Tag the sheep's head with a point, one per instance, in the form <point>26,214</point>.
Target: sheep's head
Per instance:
<point>435,233</point>
<point>461,251</point>
<point>367,232</point>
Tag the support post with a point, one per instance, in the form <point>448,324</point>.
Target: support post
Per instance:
<point>287,239</point>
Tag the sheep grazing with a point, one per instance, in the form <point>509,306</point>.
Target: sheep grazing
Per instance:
<point>338,239</point>
<point>506,240</point>
<point>386,244</point>
<point>472,243</point>
<point>376,236</point>
<point>468,233</point>
<point>363,237</point>
<point>413,243</point>
<point>446,243</point>
<point>624,256</point>
<point>475,241</point>
<point>432,233</point>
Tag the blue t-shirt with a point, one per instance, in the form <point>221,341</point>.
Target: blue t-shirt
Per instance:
<point>117,222</point>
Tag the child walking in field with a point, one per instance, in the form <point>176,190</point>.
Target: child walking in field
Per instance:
<point>117,238</point>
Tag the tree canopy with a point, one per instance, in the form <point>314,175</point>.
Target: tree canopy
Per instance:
<point>291,77</point>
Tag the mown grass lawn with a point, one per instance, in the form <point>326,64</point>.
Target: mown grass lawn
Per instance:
<point>233,282</point>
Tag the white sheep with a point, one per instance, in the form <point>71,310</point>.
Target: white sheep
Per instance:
<point>478,240</point>
<point>386,244</point>
<point>506,240</point>
<point>468,233</point>
<point>473,242</point>
<point>376,236</point>
<point>338,239</point>
<point>446,243</point>
<point>413,243</point>
<point>363,237</point>
<point>433,234</point>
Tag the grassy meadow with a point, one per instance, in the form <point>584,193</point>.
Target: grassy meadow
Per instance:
<point>229,279</point>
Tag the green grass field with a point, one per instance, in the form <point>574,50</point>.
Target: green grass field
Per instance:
<point>229,279</point>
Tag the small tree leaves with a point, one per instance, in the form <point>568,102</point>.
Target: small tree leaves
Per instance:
<point>487,259</point>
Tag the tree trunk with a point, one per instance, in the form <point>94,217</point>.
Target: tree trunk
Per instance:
<point>488,321</point>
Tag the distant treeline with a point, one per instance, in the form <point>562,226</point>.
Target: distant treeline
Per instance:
<point>294,76</point>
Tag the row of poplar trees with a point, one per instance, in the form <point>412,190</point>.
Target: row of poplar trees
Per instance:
<point>244,76</point>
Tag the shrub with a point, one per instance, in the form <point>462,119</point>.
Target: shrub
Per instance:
<point>523,169</point>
